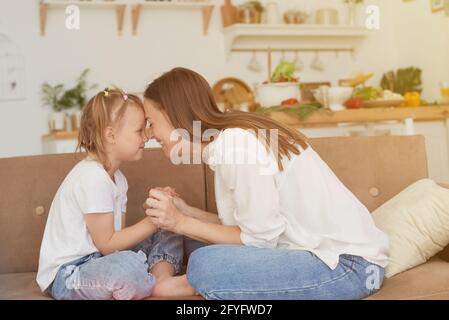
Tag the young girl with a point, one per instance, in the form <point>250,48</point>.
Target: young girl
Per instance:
<point>86,252</point>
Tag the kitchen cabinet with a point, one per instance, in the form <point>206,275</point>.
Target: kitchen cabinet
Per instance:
<point>205,6</point>
<point>287,37</point>
<point>46,5</point>
<point>120,7</point>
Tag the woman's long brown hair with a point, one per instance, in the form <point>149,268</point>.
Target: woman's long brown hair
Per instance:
<point>187,97</point>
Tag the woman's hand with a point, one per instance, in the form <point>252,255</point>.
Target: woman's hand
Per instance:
<point>162,210</point>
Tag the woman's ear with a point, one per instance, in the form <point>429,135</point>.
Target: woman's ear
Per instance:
<point>109,135</point>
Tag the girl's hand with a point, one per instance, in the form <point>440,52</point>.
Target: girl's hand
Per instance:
<point>163,211</point>
<point>169,190</point>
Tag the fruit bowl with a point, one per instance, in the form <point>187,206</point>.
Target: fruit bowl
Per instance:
<point>334,96</point>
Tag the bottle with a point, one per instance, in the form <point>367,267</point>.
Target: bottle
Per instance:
<point>412,99</point>
<point>228,13</point>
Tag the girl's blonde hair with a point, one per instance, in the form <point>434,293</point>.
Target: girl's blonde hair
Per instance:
<point>105,109</point>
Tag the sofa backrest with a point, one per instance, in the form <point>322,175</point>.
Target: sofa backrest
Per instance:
<point>28,185</point>
<point>373,168</point>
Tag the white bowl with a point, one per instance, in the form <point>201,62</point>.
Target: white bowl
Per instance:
<point>339,95</point>
<point>272,94</point>
<point>336,96</point>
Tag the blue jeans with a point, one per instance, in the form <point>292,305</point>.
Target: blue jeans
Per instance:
<point>237,272</point>
<point>123,275</point>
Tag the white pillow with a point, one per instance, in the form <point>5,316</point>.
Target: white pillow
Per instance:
<point>417,223</point>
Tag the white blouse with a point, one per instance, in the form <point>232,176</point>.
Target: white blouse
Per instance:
<point>304,207</point>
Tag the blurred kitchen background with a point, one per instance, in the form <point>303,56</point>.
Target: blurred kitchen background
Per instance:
<point>372,67</point>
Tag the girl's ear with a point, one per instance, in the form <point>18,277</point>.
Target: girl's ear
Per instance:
<point>109,135</point>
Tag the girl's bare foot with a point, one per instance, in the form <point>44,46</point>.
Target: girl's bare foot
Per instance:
<point>162,270</point>
<point>174,287</point>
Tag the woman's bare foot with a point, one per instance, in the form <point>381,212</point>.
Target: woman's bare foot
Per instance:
<point>174,287</point>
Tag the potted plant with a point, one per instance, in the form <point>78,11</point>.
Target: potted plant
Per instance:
<point>250,12</point>
<point>62,101</point>
<point>282,87</point>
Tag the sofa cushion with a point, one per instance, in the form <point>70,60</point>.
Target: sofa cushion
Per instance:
<point>23,286</point>
<point>20,286</point>
<point>417,223</point>
<point>429,281</point>
<point>28,185</point>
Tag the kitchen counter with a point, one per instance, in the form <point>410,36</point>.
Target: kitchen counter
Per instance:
<point>61,135</point>
<point>430,122</point>
<point>327,118</point>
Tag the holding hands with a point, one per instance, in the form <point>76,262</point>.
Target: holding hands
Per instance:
<point>166,209</point>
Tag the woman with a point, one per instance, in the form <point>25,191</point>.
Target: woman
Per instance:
<point>287,227</point>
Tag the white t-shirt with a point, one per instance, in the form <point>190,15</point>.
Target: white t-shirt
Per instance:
<point>87,188</point>
<point>303,207</point>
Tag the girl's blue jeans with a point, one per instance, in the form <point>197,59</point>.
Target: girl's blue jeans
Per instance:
<point>123,275</point>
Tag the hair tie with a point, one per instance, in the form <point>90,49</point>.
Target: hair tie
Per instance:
<point>106,93</point>
<point>125,96</point>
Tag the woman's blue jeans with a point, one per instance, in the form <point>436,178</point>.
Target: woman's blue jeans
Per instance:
<point>237,272</point>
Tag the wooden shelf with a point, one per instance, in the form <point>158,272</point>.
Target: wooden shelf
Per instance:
<point>45,5</point>
<point>205,6</point>
<point>120,6</point>
<point>306,37</point>
<point>61,135</point>
<point>319,119</point>
<point>364,115</point>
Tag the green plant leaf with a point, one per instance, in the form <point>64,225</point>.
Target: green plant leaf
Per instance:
<point>301,112</point>
<point>403,81</point>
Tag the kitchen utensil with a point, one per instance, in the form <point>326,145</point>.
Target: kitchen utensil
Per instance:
<point>317,65</point>
<point>272,13</point>
<point>308,87</point>
<point>333,97</point>
<point>272,94</point>
<point>254,65</point>
<point>282,56</point>
<point>321,95</point>
<point>444,86</point>
<point>382,103</point>
<point>295,17</point>
<point>228,13</point>
<point>299,65</point>
<point>337,96</point>
<point>327,16</point>
<point>233,94</point>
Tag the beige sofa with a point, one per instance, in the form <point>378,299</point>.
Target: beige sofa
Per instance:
<point>374,168</point>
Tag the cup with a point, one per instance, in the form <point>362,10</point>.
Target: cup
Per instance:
<point>444,86</point>
<point>272,13</point>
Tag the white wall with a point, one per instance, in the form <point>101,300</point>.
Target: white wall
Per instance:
<point>422,39</point>
<point>174,38</point>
